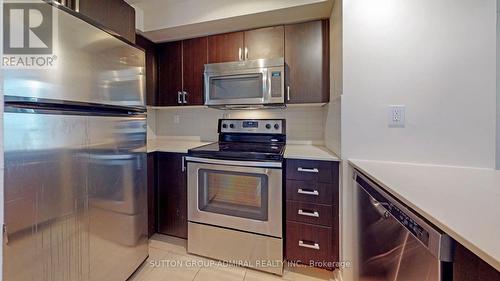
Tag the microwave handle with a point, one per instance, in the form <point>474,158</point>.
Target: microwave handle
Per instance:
<point>235,77</point>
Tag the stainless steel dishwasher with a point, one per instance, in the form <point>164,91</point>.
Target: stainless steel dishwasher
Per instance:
<point>394,243</point>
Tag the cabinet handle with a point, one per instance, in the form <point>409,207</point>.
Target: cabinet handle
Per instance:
<point>308,214</point>
<point>315,170</point>
<point>184,100</point>
<point>288,93</point>
<point>246,53</point>
<point>179,97</point>
<point>240,54</point>
<point>314,246</point>
<point>183,163</point>
<point>5,235</point>
<point>308,192</point>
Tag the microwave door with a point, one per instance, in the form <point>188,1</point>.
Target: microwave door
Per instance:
<point>248,88</point>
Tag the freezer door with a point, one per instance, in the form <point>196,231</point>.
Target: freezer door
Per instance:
<point>75,196</point>
<point>91,67</point>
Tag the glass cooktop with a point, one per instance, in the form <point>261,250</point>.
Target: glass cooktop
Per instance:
<point>240,151</point>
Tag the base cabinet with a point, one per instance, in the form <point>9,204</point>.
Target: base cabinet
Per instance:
<point>312,224</point>
<point>172,194</point>
<point>469,267</point>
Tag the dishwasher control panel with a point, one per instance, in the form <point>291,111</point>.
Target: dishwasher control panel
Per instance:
<point>419,232</point>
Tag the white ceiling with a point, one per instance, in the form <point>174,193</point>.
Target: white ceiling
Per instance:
<point>168,20</point>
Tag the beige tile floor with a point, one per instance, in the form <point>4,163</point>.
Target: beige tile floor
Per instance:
<point>168,260</point>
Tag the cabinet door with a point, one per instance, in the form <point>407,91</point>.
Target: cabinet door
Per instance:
<point>151,69</point>
<point>194,59</point>
<point>225,47</point>
<point>307,62</point>
<point>265,43</point>
<point>172,195</point>
<point>169,73</point>
<point>115,15</point>
<point>152,206</point>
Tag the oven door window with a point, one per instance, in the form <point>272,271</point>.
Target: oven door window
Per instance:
<point>236,194</point>
<point>245,86</point>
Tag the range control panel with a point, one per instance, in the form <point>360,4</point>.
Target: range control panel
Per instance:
<point>254,126</point>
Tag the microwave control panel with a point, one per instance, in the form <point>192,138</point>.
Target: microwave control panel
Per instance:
<point>276,83</point>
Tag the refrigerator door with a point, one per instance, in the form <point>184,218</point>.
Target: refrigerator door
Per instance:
<point>75,195</point>
<point>91,67</point>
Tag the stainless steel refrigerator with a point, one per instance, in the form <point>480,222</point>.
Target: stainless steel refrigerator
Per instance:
<point>75,161</point>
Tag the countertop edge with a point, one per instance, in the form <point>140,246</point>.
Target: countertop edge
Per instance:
<point>467,244</point>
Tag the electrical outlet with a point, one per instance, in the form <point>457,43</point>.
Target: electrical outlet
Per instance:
<point>397,116</point>
<point>177,119</point>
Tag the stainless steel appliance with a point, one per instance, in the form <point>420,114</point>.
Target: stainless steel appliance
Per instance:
<point>235,195</point>
<point>245,83</point>
<point>75,161</point>
<point>394,243</point>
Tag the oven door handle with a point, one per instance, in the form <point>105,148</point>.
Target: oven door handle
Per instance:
<point>235,163</point>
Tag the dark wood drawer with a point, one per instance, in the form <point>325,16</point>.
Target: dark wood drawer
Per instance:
<point>309,213</point>
<point>309,170</point>
<point>311,192</point>
<point>307,243</point>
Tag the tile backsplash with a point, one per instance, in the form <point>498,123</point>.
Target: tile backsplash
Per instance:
<point>304,123</point>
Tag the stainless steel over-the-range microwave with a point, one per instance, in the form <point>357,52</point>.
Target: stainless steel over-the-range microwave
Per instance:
<point>245,83</point>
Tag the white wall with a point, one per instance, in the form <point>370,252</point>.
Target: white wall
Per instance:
<point>333,109</point>
<point>303,123</point>
<point>436,57</point>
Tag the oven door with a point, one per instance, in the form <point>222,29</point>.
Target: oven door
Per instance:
<point>240,195</point>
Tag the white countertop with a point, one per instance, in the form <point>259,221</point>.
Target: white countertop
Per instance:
<point>173,145</point>
<point>462,202</point>
<point>292,151</point>
<point>309,152</point>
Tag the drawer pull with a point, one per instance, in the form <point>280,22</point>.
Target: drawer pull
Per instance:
<point>308,192</point>
<point>314,246</point>
<point>308,214</point>
<point>305,170</point>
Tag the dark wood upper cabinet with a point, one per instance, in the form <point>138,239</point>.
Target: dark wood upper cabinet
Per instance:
<point>172,195</point>
<point>265,43</point>
<point>305,47</point>
<point>151,69</point>
<point>225,47</point>
<point>307,75</point>
<point>170,73</point>
<point>194,59</point>
<point>115,15</point>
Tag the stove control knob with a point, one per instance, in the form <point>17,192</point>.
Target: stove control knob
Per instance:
<point>276,126</point>
<point>268,126</point>
<point>231,126</point>
<point>224,126</point>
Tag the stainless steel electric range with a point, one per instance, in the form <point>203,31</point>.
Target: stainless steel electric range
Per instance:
<point>235,195</point>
